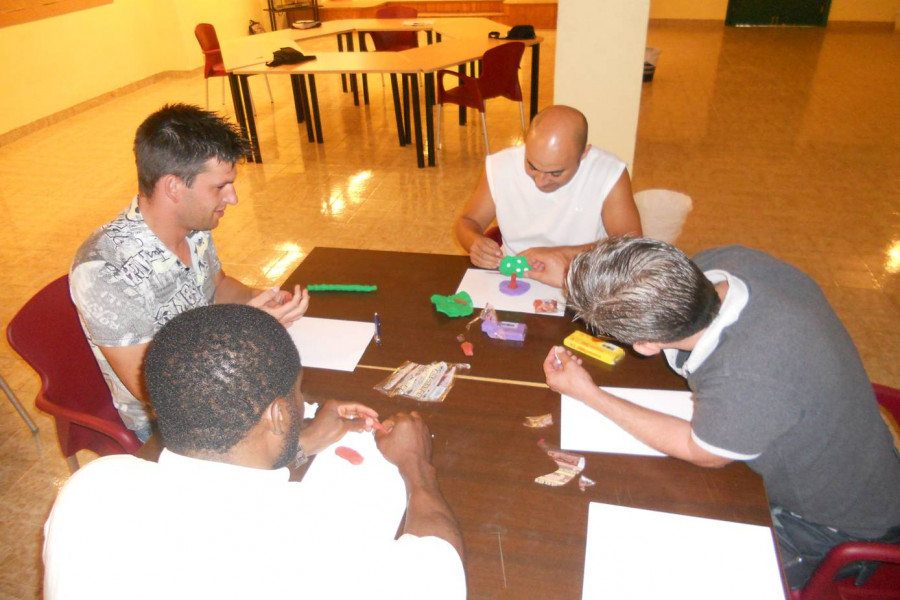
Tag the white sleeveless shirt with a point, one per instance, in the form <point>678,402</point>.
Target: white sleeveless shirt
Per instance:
<point>568,216</point>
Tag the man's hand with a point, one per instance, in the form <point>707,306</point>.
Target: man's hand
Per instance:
<point>333,420</point>
<point>407,441</point>
<point>549,265</point>
<point>485,253</point>
<point>282,305</point>
<point>566,375</point>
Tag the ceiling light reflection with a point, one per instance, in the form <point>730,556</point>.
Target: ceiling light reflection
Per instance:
<point>892,264</point>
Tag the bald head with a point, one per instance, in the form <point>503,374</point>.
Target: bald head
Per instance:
<point>554,146</point>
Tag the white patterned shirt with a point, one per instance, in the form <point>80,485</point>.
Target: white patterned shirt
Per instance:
<point>127,284</point>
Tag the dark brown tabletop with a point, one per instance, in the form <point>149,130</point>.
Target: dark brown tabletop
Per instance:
<point>413,330</point>
<point>523,540</point>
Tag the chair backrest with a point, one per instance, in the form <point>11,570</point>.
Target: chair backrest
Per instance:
<point>500,72</point>
<point>212,53</point>
<point>663,213</point>
<point>394,41</point>
<point>889,401</point>
<point>47,333</point>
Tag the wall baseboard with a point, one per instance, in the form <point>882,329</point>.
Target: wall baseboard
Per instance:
<point>20,132</point>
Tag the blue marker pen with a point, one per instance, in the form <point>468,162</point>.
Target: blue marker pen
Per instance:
<point>377,329</point>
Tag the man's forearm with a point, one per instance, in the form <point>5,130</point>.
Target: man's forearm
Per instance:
<point>231,291</point>
<point>670,435</point>
<point>467,231</point>
<point>427,512</point>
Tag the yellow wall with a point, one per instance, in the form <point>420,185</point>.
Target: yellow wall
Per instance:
<point>841,10</point>
<point>52,64</point>
<point>599,67</point>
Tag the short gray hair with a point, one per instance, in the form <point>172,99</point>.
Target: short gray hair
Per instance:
<point>640,290</point>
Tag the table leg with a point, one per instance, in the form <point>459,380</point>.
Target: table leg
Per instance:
<point>298,98</point>
<point>417,117</point>
<point>315,107</point>
<point>235,86</point>
<point>340,41</point>
<point>535,78</point>
<point>462,109</point>
<point>406,79</point>
<point>429,117</point>
<point>251,120</point>
<point>304,98</point>
<point>353,85</point>
<point>365,78</point>
<point>398,114</point>
<point>429,37</point>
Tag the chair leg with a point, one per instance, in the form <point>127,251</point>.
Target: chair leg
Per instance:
<point>522,116</point>
<point>18,406</point>
<point>440,122</point>
<point>487,144</point>
<point>272,100</point>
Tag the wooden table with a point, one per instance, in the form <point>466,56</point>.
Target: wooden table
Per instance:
<point>467,41</point>
<point>523,540</point>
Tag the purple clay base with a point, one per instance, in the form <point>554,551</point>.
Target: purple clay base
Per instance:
<point>521,288</point>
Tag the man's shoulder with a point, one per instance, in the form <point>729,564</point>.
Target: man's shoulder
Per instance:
<point>107,479</point>
<point>114,238</point>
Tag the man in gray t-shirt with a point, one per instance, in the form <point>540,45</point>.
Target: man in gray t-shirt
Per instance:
<point>157,259</point>
<point>776,379</point>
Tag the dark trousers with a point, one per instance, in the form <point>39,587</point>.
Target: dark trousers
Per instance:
<point>803,545</point>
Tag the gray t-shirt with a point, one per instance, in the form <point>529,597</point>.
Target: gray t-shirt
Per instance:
<point>127,284</point>
<point>784,389</point>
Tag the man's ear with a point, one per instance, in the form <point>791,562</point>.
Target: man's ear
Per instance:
<point>171,186</point>
<point>587,148</point>
<point>275,417</point>
<point>647,348</point>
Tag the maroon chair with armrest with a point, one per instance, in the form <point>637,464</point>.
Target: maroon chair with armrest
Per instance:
<point>882,585</point>
<point>499,78</point>
<point>885,581</point>
<point>47,333</point>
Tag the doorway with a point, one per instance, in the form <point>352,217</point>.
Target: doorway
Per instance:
<point>809,13</point>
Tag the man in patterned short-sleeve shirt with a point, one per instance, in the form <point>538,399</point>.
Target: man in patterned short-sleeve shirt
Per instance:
<point>157,258</point>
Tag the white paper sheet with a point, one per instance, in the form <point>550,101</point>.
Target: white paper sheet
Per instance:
<point>584,429</point>
<point>370,496</point>
<point>484,286</point>
<point>331,343</point>
<point>636,554</point>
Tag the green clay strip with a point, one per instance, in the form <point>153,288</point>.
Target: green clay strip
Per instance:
<point>333,287</point>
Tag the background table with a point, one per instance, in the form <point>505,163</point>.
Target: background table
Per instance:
<point>523,540</point>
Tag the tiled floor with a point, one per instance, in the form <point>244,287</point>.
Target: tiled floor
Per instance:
<point>787,140</point>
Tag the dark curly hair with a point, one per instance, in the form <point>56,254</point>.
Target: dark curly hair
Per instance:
<point>212,371</point>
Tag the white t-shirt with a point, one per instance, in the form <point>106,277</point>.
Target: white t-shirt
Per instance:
<point>568,216</point>
<point>123,527</point>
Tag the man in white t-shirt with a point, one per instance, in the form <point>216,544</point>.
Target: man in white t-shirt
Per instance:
<point>217,517</point>
<point>552,198</point>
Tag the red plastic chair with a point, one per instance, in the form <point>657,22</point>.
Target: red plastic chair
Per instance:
<point>213,65</point>
<point>499,77</point>
<point>884,584</point>
<point>46,332</point>
<point>395,41</point>
<point>493,232</point>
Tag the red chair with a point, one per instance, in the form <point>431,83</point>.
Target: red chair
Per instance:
<point>884,584</point>
<point>499,77</point>
<point>395,41</point>
<point>46,332</point>
<point>213,65</point>
<point>493,232</point>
